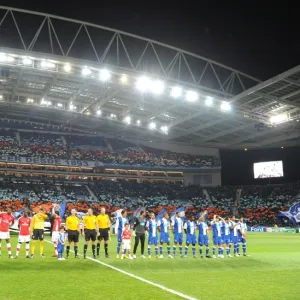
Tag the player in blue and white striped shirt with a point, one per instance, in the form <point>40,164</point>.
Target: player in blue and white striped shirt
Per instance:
<point>120,224</point>
<point>217,237</point>
<point>242,231</point>
<point>203,236</point>
<point>151,226</point>
<point>190,230</point>
<point>226,234</point>
<point>163,227</point>
<point>234,235</point>
<point>177,227</point>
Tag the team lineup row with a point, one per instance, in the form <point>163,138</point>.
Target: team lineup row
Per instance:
<point>225,232</point>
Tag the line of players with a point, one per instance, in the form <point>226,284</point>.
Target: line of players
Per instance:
<point>226,232</point>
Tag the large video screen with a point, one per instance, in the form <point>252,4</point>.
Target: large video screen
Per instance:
<point>268,169</point>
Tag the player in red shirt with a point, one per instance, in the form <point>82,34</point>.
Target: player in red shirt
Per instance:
<point>126,236</point>
<point>6,220</point>
<point>55,227</point>
<point>24,234</point>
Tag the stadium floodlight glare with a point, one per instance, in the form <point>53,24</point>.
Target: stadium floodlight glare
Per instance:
<point>209,101</point>
<point>124,79</point>
<point>191,96</point>
<point>45,102</point>
<point>59,105</point>
<point>27,61</point>
<point>143,84</point>
<point>113,116</point>
<point>5,58</point>
<point>1,97</point>
<point>138,122</point>
<point>72,107</point>
<point>98,112</point>
<point>67,68</point>
<point>86,71</point>
<point>104,75</point>
<point>157,87</point>
<point>279,119</point>
<point>47,64</point>
<point>127,120</point>
<point>225,106</point>
<point>176,92</point>
<point>30,100</point>
<point>164,129</point>
<point>152,126</point>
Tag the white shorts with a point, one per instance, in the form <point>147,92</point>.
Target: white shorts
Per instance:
<point>126,244</point>
<point>4,235</point>
<point>55,236</point>
<point>24,238</point>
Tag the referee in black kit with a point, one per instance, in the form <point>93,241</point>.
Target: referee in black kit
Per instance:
<point>139,226</point>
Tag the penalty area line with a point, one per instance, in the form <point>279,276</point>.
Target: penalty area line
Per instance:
<point>171,291</point>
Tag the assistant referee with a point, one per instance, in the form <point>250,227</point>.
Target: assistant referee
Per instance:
<point>104,228</point>
<point>72,226</point>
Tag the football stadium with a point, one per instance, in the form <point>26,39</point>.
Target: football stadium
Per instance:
<point>132,169</point>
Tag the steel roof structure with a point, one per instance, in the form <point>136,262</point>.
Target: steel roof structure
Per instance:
<point>70,73</point>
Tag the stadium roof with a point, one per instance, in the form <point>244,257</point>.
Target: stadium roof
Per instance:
<point>64,72</point>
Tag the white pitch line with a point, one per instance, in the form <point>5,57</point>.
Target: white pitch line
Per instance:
<point>139,278</point>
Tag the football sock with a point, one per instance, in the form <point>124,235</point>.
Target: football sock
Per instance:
<point>27,248</point>
<point>219,250</point>
<point>186,248</point>
<point>85,249</point>
<point>214,250</point>
<point>55,249</point>
<point>75,250</point>
<point>118,248</point>
<point>68,250</point>
<point>8,245</point>
<point>169,249</point>
<point>200,250</point>
<point>0,247</point>
<point>207,251</point>
<point>227,250</point>
<point>174,250</point>
<point>18,249</point>
<point>238,248</point>
<point>235,249</point>
<point>149,251</point>
<point>244,248</point>
<point>33,247</point>
<point>106,249</point>
<point>98,248</point>
<point>94,249</point>
<point>222,251</point>
<point>180,250</point>
<point>156,250</point>
<point>160,250</point>
<point>194,250</point>
<point>41,247</point>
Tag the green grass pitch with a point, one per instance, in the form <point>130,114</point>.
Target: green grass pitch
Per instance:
<point>271,272</point>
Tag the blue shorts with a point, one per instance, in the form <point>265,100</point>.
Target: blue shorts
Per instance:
<point>152,240</point>
<point>164,237</point>
<point>119,236</point>
<point>178,238</point>
<point>60,248</point>
<point>191,239</point>
<point>217,240</point>
<point>226,239</point>
<point>234,239</point>
<point>203,240</point>
<point>241,240</point>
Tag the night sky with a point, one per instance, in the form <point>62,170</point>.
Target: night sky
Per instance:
<point>259,39</point>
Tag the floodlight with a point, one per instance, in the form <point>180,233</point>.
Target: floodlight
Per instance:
<point>27,61</point>
<point>104,75</point>
<point>152,126</point>
<point>209,101</point>
<point>127,120</point>
<point>59,105</point>
<point>67,68</point>
<point>72,107</point>
<point>143,84</point>
<point>98,112</point>
<point>157,87</point>
<point>176,92</point>
<point>138,122</point>
<point>86,71</point>
<point>225,106</point>
<point>279,119</point>
<point>191,96</point>
<point>164,129</point>
<point>5,58</point>
<point>124,79</point>
<point>47,64</point>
